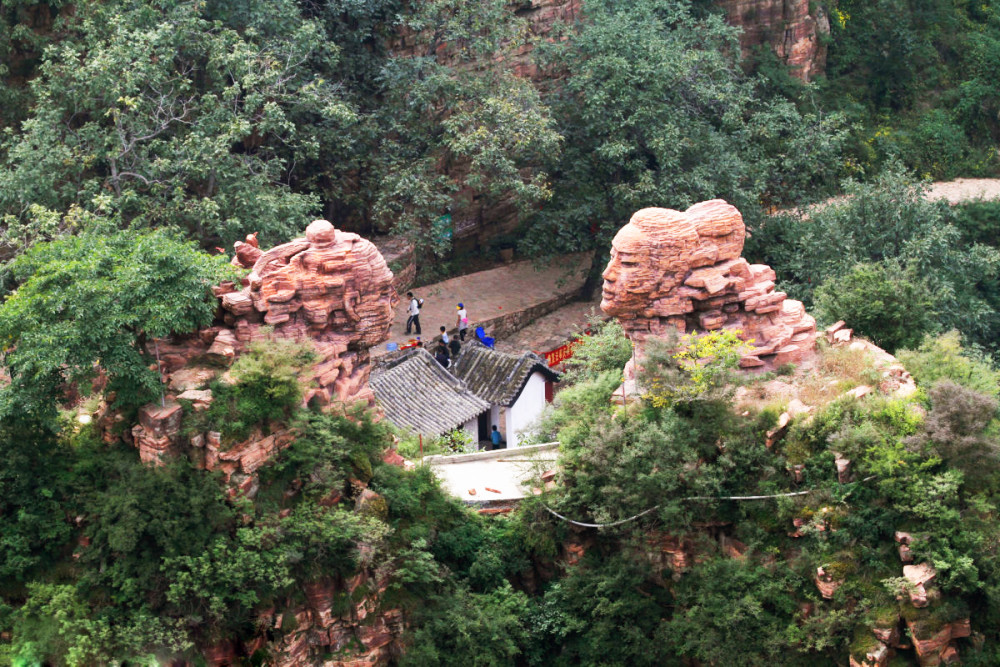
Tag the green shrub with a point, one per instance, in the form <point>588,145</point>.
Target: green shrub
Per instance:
<point>326,451</point>
<point>695,367</point>
<point>938,147</point>
<point>943,358</point>
<point>978,221</point>
<point>264,388</point>
<point>605,349</point>
<point>955,429</point>
<point>883,302</point>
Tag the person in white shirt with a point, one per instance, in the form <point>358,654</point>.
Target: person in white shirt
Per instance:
<point>463,321</point>
<point>444,336</point>
<point>413,310</point>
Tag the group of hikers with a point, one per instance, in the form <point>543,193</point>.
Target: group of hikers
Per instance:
<point>447,347</point>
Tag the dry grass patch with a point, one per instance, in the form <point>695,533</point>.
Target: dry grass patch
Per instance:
<point>837,370</point>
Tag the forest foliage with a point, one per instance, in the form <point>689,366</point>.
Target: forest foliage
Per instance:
<point>136,136</point>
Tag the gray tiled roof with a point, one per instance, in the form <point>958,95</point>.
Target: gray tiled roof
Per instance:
<point>416,393</point>
<point>498,377</point>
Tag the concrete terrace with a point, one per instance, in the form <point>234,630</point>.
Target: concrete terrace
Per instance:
<point>504,300</point>
<point>498,476</point>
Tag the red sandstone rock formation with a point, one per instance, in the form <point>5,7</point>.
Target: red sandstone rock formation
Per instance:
<point>826,583</point>
<point>933,645</point>
<point>920,576</point>
<point>683,271</point>
<point>789,27</point>
<point>331,288</point>
<point>362,636</point>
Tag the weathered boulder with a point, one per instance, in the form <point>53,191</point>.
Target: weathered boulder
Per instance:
<point>156,433</point>
<point>932,642</point>
<point>332,288</point>
<point>919,576</point>
<point>673,270</point>
<point>826,583</point>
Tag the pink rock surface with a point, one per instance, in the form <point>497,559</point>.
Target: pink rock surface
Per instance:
<point>331,288</point>
<point>826,584</point>
<point>682,270</point>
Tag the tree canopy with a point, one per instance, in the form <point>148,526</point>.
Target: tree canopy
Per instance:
<point>91,302</point>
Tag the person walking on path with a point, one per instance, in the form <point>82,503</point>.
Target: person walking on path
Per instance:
<point>444,336</point>
<point>463,321</point>
<point>413,321</point>
<point>454,346</point>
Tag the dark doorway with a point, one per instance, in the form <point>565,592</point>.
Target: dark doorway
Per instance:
<point>484,427</point>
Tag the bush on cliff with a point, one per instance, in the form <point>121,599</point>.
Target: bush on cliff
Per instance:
<point>94,301</point>
<point>884,302</point>
<point>885,221</point>
<point>263,387</point>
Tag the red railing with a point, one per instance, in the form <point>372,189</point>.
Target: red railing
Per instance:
<point>561,353</point>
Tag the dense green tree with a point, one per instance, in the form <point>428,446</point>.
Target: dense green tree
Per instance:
<point>884,221</point>
<point>943,358</point>
<point>175,113</point>
<point>33,527</point>
<point>883,302</point>
<point>725,603</point>
<point>95,300</point>
<point>656,111</point>
<point>452,117</point>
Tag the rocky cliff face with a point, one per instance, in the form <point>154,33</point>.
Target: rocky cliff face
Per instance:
<point>793,29</point>
<point>331,288</point>
<point>790,27</point>
<point>334,290</point>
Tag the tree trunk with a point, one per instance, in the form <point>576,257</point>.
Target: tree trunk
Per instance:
<point>594,282</point>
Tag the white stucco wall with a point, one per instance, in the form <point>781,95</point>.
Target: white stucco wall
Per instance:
<point>496,419</point>
<point>472,428</point>
<point>525,412</point>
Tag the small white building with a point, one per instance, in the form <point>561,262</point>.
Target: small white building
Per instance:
<point>517,387</point>
<point>482,388</point>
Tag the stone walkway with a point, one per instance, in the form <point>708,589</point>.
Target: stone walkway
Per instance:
<point>553,330</point>
<point>503,300</point>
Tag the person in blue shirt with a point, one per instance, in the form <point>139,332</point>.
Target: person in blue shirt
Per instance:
<point>495,437</point>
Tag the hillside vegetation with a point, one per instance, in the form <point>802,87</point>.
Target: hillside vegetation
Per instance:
<point>138,138</point>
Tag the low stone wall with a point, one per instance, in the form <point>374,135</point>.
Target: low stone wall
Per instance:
<point>509,323</point>
<point>401,257</point>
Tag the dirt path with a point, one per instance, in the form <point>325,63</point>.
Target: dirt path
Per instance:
<point>956,192</point>
<point>965,189</point>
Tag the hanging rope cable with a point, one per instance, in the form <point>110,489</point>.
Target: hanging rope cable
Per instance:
<point>599,525</point>
<point>655,507</point>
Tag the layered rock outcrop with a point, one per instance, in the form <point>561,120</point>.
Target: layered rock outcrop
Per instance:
<point>793,29</point>
<point>682,271</point>
<point>332,289</point>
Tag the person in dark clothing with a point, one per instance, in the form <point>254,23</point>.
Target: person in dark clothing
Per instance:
<point>454,346</point>
<point>442,356</point>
